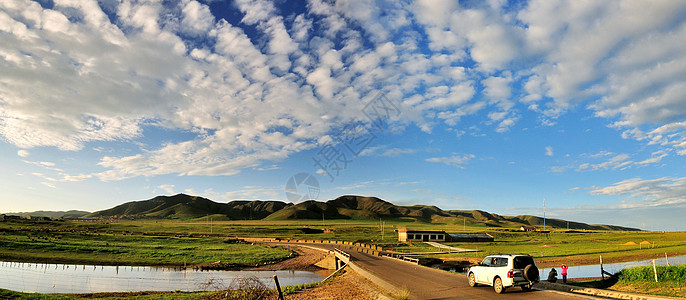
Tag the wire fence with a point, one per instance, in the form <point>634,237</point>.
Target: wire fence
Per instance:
<point>60,278</point>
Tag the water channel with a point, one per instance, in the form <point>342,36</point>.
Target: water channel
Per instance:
<point>594,270</point>
<point>60,278</point>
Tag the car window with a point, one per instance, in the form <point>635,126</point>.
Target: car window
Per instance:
<point>501,262</point>
<point>522,261</point>
<point>487,261</point>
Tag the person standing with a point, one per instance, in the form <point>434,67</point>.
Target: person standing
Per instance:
<point>564,272</point>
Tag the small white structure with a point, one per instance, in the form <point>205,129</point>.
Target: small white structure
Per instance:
<point>405,235</point>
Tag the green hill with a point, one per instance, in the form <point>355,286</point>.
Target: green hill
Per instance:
<point>356,207</point>
<point>183,206</point>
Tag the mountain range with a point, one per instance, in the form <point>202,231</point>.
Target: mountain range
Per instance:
<point>182,206</point>
<point>51,214</point>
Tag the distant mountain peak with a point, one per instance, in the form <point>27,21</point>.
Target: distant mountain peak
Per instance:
<point>343,207</point>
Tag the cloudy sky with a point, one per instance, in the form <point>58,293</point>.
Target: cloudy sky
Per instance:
<point>490,105</point>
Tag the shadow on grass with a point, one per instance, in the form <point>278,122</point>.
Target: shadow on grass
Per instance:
<point>597,284</point>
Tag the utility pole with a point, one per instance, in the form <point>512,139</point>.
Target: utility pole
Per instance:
<point>543,214</point>
<point>381,227</point>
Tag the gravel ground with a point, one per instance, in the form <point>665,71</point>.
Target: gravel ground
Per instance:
<point>349,285</point>
<point>304,261</point>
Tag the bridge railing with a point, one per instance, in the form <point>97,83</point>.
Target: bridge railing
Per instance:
<point>413,260</point>
<point>341,252</point>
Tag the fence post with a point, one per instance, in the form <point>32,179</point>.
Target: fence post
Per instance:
<point>602,272</point>
<point>655,270</point>
<point>667,259</point>
<point>278,287</point>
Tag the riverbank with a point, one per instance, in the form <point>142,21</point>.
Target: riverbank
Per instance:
<point>581,260</point>
<point>346,285</point>
<point>122,244</point>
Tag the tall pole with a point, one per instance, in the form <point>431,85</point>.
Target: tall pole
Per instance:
<point>543,214</point>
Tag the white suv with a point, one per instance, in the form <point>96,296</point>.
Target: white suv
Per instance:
<point>503,271</point>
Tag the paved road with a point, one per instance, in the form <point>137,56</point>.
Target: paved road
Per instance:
<point>427,283</point>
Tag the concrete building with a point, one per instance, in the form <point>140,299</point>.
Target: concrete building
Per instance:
<point>405,235</point>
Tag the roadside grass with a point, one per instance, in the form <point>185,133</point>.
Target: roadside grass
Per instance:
<point>292,289</point>
<point>646,274</point>
<point>641,280</point>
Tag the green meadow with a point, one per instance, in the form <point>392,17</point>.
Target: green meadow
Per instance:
<point>201,241</point>
<point>115,244</point>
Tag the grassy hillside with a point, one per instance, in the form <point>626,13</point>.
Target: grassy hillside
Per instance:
<point>347,207</point>
<point>183,206</point>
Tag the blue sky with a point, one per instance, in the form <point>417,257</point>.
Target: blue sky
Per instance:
<point>490,105</point>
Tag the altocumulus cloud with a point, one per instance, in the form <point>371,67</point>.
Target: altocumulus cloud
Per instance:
<point>84,71</point>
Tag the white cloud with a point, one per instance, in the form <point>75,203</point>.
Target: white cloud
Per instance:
<point>455,160</point>
<point>50,185</point>
<point>384,151</point>
<point>23,153</point>
<point>646,193</point>
<point>72,76</point>
<point>252,193</point>
<point>549,151</point>
<point>605,160</point>
<point>197,18</point>
<point>169,188</point>
<point>634,60</point>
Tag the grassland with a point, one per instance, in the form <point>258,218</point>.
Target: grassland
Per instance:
<point>576,247</point>
<point>105,244</point>
<point>197,241</point>
<point>641,280</point>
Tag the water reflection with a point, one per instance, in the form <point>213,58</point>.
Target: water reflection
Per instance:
<point>61,278</point>
<point>594,270</point>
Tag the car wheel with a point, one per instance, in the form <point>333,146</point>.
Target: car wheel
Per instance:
<point>526,288</point>
<point>531,273</point>
<point>472,280</point>
<point>498,285</point>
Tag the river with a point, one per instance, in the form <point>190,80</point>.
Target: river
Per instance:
<point>60,278</point>
<point>594,270</point>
